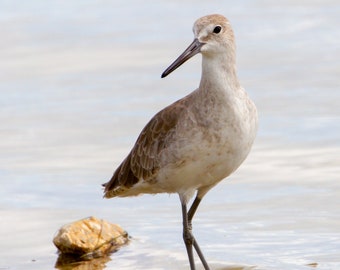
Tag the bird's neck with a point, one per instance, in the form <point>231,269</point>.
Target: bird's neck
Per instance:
<point>219,75</point>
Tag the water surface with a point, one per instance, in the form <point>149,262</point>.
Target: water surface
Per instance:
<point>79,79</point>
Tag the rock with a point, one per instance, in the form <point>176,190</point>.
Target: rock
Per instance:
<point>89,238</point>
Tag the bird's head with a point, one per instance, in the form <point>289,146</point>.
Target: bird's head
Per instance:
<point>214,37</point>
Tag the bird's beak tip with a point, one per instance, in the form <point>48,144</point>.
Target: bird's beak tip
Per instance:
<point>193,49</point>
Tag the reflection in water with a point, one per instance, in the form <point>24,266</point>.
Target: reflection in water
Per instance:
<point>235,267</point>
<point>69,262</point>
<point>78,84</point>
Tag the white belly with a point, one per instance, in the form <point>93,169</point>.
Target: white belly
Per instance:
<point>207,158</point>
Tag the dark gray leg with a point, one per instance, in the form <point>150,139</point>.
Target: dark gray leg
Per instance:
<point>188,237</point>
<point>193,209</point>
<point>191,214</point>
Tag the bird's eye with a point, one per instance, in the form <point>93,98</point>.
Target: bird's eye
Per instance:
<point>217,29</point>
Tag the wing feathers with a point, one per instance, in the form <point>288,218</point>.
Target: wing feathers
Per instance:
<point>142,164</point>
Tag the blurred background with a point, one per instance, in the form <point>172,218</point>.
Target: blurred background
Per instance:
<point>80,79</point>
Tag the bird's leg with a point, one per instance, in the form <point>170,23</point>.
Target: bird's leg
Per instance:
<point>191,214</point>
<point>193,209</point>
<point>188,237</point>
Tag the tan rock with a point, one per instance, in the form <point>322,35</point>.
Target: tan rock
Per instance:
<point>90,237</point>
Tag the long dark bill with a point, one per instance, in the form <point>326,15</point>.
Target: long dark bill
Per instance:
<point>193,49</point>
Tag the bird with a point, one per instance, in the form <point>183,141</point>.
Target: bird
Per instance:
<point>191,145</point>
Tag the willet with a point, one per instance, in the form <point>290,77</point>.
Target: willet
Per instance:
<point>191,145</point>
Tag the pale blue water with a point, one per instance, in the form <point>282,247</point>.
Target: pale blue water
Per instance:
<point>79,80</point>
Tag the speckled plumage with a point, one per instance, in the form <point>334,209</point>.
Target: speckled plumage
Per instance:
<point>213,127</point>
<point>194,143</point>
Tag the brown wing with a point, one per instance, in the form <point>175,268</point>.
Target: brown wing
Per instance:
<point>142,164</point>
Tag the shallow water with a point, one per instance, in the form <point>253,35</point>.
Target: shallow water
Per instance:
<point>79,80</point>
